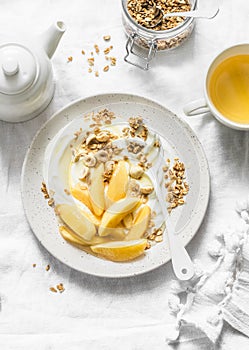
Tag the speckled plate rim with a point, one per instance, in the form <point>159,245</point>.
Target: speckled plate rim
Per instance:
<point>107,99</point>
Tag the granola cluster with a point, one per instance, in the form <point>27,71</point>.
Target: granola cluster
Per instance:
<point>147,12</point>
<point>176,184</point>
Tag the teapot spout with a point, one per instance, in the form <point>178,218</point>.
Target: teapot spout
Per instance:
<point>51,37</point>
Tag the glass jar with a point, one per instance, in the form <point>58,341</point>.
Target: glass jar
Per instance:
<point>151,41</point>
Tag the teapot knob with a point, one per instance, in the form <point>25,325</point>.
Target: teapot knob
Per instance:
<point>10,66</point>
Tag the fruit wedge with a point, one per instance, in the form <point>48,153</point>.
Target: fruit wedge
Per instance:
<point>118,184</point>
<point>140,223</point>
<point>128,221</point>
<point>117,233</point>
<point>77,220</point>
<point>120,251</point>
<point>96,190</point>
<point>71,237</point>
<point>82,194</point>
<point>116,213</point>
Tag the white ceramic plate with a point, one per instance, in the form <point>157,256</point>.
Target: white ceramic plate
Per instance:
<point>181,141</point>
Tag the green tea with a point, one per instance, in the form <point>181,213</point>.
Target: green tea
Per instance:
<point>229,88</point>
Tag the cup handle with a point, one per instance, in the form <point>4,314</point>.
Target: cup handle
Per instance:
<point>196,108</point>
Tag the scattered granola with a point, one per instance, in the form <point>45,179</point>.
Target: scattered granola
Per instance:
<point>47,195</point>
<point>91,61</point>
<point>51,202</point>
<point>52,289</point>
<point>47,268</point>
<point>60,287</point>
<point>107,37</point>
<point>96,57</point>
<point>96,48</point>
<point>44,190</point>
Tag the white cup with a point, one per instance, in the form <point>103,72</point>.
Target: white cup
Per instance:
<point>205,104</point>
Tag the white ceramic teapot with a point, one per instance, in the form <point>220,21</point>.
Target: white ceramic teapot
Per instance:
<point>26,76</point>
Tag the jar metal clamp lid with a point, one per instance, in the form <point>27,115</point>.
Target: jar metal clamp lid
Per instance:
<point>143,43</point>
<point>145,58</point>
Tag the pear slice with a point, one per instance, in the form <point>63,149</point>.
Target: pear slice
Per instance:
<point>113,215</point>
<point>118,184</point>
<point>82,194</point>
<point>72,238</point>
<point>117,233</point>
<point>96,190</point>
<point>77,220</point>
<point>140,224</point>
<point>120,251</point>
<point>128,221</point>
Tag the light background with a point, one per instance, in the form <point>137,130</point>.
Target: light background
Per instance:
<point>95,313</point>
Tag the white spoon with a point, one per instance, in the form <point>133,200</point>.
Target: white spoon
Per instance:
<point>182,264</point>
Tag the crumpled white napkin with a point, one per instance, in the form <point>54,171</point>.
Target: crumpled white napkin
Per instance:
<point>220,294</point>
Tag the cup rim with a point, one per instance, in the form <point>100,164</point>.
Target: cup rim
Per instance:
<point>213,109</point>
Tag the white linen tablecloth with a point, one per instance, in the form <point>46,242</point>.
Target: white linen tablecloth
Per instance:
<point>97,313</point>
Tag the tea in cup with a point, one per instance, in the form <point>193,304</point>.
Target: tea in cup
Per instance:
<point>226,89</point>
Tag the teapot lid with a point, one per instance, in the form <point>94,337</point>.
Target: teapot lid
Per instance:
<point>18,69</point>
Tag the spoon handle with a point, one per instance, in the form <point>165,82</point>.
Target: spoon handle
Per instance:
<point>195,14</point>
<point>182,265</point>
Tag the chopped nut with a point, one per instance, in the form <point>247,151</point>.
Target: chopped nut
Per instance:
<point>91,61</point>
<point>51,202</point>
<point>92,138</point>
<point>113,61</point>
<point>107,37</point>
<point>83,52</point>
<point>67,191</point>
<point>146,189</point>
<point>69,59</point>
<point>106,68</point>
<point>47,267</point>
<point>53,289</point>
<point>136,171</point>
<point>158,239</point>
<point>103,136</point>
<point>90,70</point>
<point>96,48</point>
<point>148,245</point>
<point>60,287</point>
<point>34,265</point>
<point>96,74</point>
<point>107,50</point>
